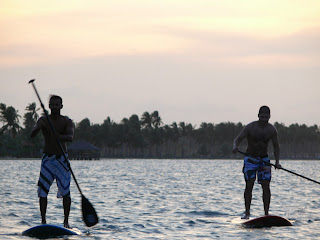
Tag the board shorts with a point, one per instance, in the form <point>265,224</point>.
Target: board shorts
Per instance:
<point>255,166</point>
<point>54,167</point>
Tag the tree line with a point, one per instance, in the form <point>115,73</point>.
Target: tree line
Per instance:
<point>148,137</point>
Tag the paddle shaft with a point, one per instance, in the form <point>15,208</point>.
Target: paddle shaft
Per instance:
<point>284,169</point>
<point>56,136</point>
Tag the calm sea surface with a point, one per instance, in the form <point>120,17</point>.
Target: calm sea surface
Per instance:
<point>163,199</point>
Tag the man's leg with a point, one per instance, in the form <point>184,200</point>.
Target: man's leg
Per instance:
<point>43,202</point>
<point>248,197</point>
<point>66,208</point>
<point>266,195</point>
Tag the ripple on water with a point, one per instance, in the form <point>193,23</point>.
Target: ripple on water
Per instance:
<point>207,213</point>
<point>139,225</point>
<point>205,221</point>
<point>24,223</point>
<point>190,223</point>
<point>13,215</point>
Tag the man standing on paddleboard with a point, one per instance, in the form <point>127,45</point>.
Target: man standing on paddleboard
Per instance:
<point>258,135</point>
<point>54,165</point>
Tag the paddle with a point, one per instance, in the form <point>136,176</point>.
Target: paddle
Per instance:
<point>89,214</point>
<point>282,168</point>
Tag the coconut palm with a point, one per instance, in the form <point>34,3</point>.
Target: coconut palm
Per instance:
<point>10,118</point>
<point>31,116</point>
<point>146,120</point>
<point>84,130</point>
<point>32,107</point>
<point>156,119</point>
<point>135,137</point>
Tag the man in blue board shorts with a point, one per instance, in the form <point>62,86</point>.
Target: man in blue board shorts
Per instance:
<point>53,165</point>
<point>257,166</point>
<point>258,135</point>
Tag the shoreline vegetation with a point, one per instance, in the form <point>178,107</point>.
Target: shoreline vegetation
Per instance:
<point>146,137</point>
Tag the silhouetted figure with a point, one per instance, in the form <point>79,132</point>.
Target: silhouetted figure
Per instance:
<point>53,165</point>
<point>258,135</point>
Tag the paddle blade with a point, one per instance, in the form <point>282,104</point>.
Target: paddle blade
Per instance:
<point>89,214</point>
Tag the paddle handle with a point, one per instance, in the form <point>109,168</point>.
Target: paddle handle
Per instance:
<point>299,175</point>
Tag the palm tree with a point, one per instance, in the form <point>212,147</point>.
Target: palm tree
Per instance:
<point>146,121</point>
<point>182,128</point>
<point>32,107</point>
<point>31,116</point>
<point>135,137</point>
<point>10,117</point>
<point>189,129</point>
<point>156,119</point>
<point>175,131</point>
<point>83,130</point>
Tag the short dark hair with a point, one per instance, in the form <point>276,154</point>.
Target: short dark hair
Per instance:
<point>52,96</point>
<point>264,109</point>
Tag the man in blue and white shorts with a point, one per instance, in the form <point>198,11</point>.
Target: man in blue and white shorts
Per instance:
<point>53,165</point>
<point>257,166</point>
<point>258,135</point>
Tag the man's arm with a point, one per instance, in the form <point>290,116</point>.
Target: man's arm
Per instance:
<point>276,148</point>
<point>243,134</point>
<point>37,127</point>
<point>68,136</point>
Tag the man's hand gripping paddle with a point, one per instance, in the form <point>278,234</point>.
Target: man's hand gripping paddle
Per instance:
<point>283,169</point>
<point>89,214</point>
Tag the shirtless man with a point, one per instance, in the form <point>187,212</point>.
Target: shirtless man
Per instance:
<point>258,135</point>
<point>53,165</point>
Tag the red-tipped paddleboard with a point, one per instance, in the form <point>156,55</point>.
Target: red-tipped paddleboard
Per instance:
<point>267,221</point>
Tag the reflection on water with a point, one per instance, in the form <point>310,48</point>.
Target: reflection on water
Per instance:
<point>162,199</point>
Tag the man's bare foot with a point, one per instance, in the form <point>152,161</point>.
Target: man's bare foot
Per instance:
<point>44,222</point>
<point>66,225</point>
<point>246,216</point>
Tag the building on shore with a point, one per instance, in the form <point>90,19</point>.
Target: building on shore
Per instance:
<point>81,150</point>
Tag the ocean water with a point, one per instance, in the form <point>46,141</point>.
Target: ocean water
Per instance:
<point>162,199</point>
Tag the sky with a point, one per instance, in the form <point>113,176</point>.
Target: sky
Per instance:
<point>192,60</point>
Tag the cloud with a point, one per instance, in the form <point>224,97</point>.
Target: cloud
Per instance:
<point>193,61</point>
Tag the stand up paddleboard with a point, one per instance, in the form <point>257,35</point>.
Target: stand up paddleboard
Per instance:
<point>48,231</point>
<point>267,221</point>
